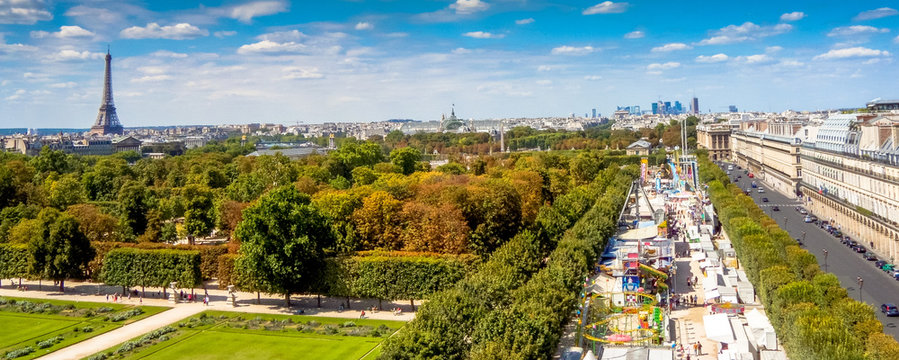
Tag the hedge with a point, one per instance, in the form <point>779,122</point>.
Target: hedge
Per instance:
<point>450,323</point>
<point>138,267</point>
<point>13,261</point>
<point>209,255</point>
<point>810,311</point>
<point>386,275</point>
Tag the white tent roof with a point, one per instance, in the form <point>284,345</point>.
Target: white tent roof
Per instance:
<point>757,320</point>
<point>717,327</point>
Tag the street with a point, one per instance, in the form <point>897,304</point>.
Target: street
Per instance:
<point>878,287</point>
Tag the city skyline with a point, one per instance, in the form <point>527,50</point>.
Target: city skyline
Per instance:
<point>273,61</point>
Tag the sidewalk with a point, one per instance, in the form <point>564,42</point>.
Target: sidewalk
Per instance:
<point>99,343</point>
<point>330,306</point>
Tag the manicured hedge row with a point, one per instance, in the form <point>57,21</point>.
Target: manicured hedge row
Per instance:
<point>209,255</point>
<point>812,313</point>
<point>138,267</point>
<point>444,326</point>
<point>13,261</point>
<point>386,275</point>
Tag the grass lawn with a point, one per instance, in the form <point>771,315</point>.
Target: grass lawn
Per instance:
<point>24,323</point>
<point>220,334</point>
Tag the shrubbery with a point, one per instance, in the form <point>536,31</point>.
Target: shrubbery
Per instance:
<point>137,267</point>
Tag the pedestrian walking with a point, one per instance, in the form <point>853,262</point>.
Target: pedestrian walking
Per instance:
<point>107,297</point>
<point>699,345</point>
<point>362,316</point>
<point>696,349</point>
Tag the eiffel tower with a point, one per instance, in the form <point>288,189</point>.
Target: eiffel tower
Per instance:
<point>107,120</point>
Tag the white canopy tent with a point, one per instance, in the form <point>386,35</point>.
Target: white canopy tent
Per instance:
<point>717,328</point>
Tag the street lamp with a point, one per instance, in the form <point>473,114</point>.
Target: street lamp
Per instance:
<point>860,283</point>
<point>786,220</point>
<point>825,258</point>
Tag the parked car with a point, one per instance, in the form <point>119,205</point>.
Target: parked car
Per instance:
<point>889,310</point>
<point>761,190</point>
<point>775,208</point>
<point>838,234</point>
<point>880,263</point>
<point>809,219</point>
<point>859,249</point>
<point>751,175</point>
<point>870,256</point>
<point>852,244</point>
<point>803,211</point>
<point>764,199</point>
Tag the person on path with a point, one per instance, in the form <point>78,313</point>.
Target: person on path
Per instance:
<point>107,297</point>
<point>696,347</point>
<point>699,349</point>
<point>362,316</point>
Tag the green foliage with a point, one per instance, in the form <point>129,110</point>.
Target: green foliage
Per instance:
<point>138,267</point>
<point>282,240</point>
<point>62,251</point>
<point>405,158</point>
<point>13,261</point>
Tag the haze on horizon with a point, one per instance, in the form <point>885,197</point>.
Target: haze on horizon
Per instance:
<point>336,61</point>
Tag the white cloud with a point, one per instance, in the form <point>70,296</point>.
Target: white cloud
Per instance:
<point>606,7</point>
<point>11,48</point>
<point>16,96</point>
<point>773,49</point>
<point>151,78</point>
<point>712,59</point>
<point>544,68</point>
<point>793,16</point>
<point>23,11</point>
<point>747,31</point>
<point>166,53</point>
<point>572,50</point>
<point>483,35</point>
<point>465,7</point>
<point>671,47</point>
<point>791,63</point>
<point>65,32</point>
<point>896,40</point>
<point>180,31</point>
<point>663,66</point>
<point>283,36</point>
<point>592,77</point>
<point>636,34</point>
<point>246,12</point>
<point>461,51</point>
<point>224,33</point>
<point>364,26</point>
<point>856,30</point>
<point>271,47</point>
<point>524,21</point>
<point>63,85</point>
<point>73,55</point>
<point>756,59</point>
<point>854,52</point>
<point>875,14</point>
<point>293,72</point>
<point>544,82</point>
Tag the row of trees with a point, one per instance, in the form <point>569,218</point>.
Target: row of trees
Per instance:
<point>811,312</point>
<point>471,317</point>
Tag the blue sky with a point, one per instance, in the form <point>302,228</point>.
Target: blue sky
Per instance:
<point>182,62</point>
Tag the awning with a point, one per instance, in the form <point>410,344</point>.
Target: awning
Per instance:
<point>640,234</point>
<point>717,328</point>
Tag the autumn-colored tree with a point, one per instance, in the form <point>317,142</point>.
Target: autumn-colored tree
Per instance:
<point>379,222</point>
<point>95,225</point>
<point>229,215</point>
<point>440,229</point>
<point>530,187</point>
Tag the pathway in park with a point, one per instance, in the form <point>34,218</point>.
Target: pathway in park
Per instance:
<point>125,333</point>
<point>247,302</point>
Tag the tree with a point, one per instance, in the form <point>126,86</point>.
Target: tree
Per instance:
<point>65,191</point>
<point>282,240</point>
<point>406,158</point>
<point>96,225</point>
<point>62,252</point>
<point>51,161</point>
<point>133,206</point>
<point>199,215</point>
<point>378,221</point>
<point>439,229</point>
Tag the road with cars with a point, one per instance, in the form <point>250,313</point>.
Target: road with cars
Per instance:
<point>878,287</point>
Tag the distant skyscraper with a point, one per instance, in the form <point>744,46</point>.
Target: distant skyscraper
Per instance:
<point>678,108</point>
<point>732,108</point>
<point>107,120</point>
<point>655,108</point>
<point>695,105</point>
<point>594,113</point>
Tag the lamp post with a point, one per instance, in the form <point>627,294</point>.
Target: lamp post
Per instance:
<point>803,239</point>
<point>825,260</point>
<point>861,282</point>
<point>786,220</point>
